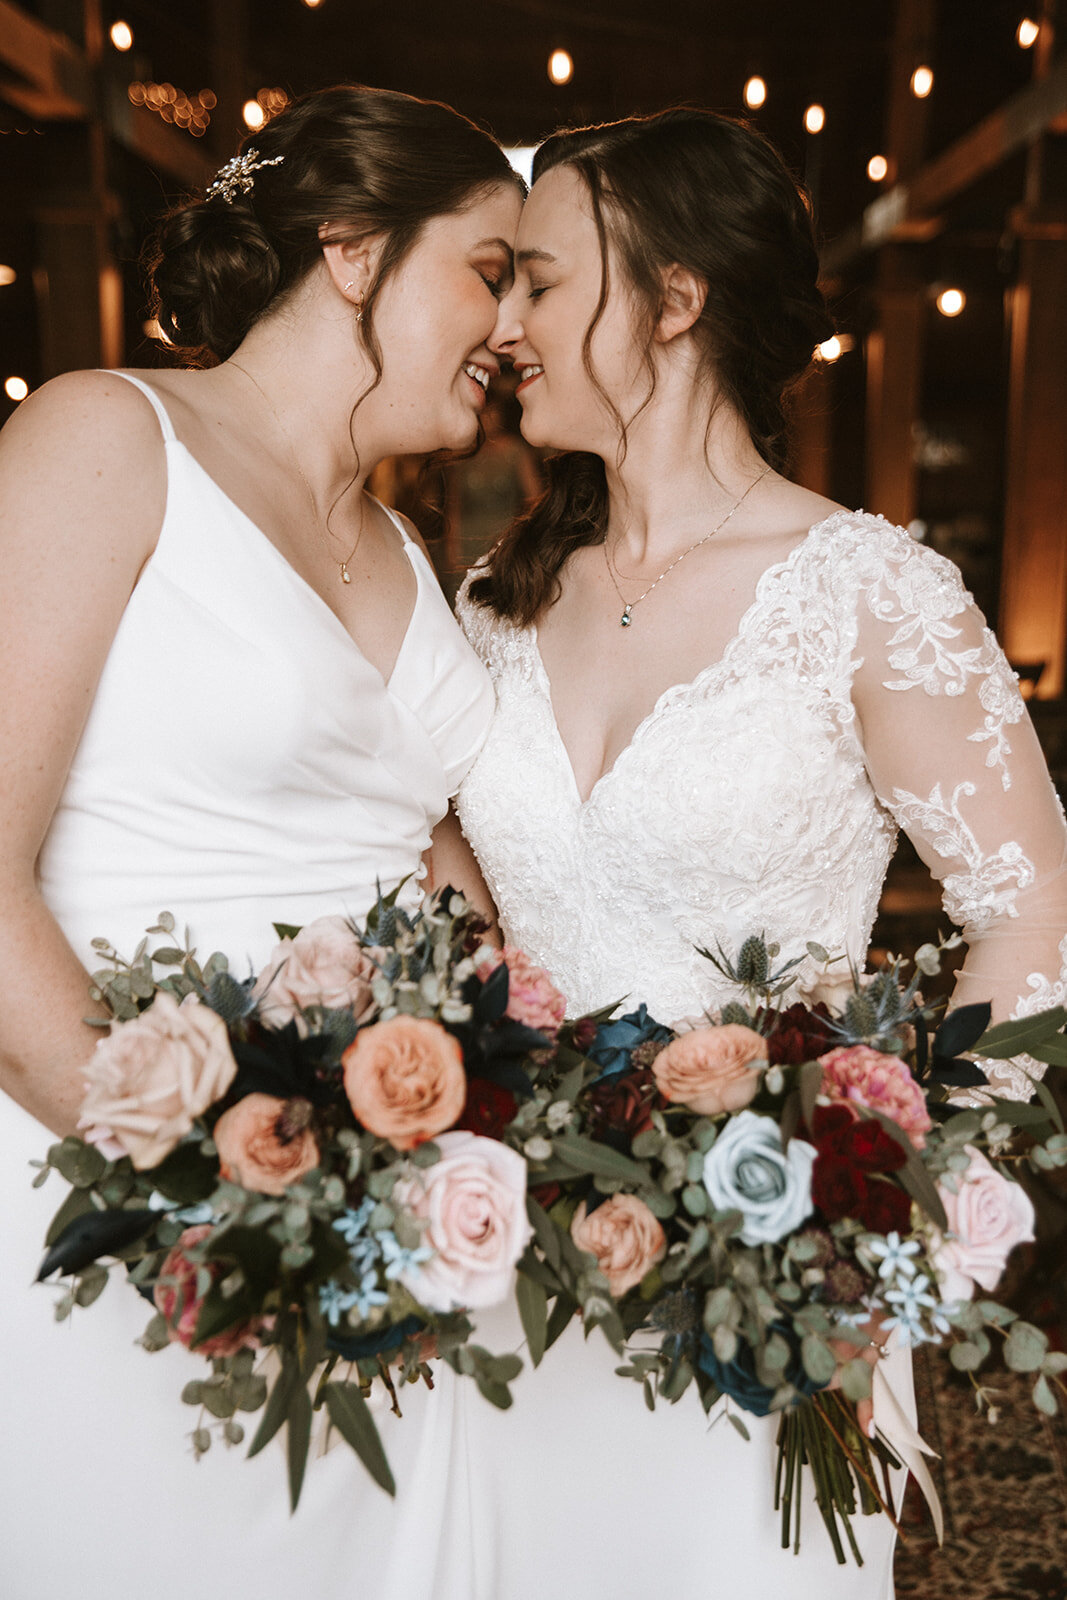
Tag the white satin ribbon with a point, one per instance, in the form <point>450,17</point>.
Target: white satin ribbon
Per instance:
<point>897,1430</point>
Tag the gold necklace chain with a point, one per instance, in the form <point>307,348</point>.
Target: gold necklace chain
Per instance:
<point>627,607</point>
<point>345,578</point>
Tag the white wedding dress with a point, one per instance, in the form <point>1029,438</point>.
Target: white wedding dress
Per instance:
<point>750,800</point>
<point>242,764</point>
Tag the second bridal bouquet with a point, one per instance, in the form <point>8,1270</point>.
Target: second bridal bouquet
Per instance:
<point>304,1171</point>
<point>773,1193</point>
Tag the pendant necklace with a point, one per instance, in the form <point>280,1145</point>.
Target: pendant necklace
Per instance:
<point>343,565</point>
<point>628,606</point>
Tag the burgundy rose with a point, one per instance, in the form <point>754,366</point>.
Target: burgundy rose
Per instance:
<point>838,1189</point>
<point>801,1034</point>
<point>488,1110</point>
<point>546,1194</point>
<point>623,1104</point>
<point>837,1131</point>
<point>584,1033</point>
<point>887,1208</point>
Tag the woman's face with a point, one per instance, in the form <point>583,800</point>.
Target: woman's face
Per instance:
<point>544,316</point>
<point>433,318</point>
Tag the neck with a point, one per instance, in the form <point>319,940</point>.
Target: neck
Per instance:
<point>679,477</point>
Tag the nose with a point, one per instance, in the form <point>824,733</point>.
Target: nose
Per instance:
<point>508,330</point>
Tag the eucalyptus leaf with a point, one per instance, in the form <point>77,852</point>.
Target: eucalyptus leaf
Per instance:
<point>298,1439</point>
<point>819,1361</point>
<point>1007,1039</point>
<point>277,1405</point>
<point>1025,1347</point>
<point>532,1300</point>
<point>1044,1398</point>
<point>856,1379</point>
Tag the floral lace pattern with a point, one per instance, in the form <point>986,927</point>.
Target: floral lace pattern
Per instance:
<point>746,801</point>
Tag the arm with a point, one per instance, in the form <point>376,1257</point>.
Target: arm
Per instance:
<point>451,860</point>
<point>953,755</point>
<point>82,488</point>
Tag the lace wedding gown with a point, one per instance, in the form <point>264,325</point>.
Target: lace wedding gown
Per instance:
<point>750,800</point>
<point>242,764</point>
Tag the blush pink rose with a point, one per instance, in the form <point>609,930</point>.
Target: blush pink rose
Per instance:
<point>405,1080</point>
<point>533,998</point>
<point>176,1297</point>
<point>625,1237</point>
<point>712,1069</point>
<point>987,1218</point>
<point>860,1076</point>
<point>150,1079</point>
<point>473,1202</point>
<point>265,1144</point>
<point>325,965</point>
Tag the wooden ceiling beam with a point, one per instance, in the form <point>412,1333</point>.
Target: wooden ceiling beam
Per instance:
<point>913,210</point>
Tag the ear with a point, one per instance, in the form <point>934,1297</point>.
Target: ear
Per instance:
<point>350,263</point>
<point>684,293</point>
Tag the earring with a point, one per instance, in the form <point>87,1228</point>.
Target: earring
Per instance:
<point>349,285</point>
<point>359,307</point>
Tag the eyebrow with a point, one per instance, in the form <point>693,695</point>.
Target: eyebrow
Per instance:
<point>493,244</point>
<point>533,255</point>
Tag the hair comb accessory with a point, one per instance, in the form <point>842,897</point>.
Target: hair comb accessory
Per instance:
<point>237,176</point>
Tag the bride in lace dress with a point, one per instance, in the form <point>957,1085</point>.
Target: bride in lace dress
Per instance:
<point>718,698</point>
<point>232,689</point>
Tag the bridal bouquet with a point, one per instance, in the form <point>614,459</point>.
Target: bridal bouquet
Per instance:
<point>763,1193</point>
<point>304,1171</point>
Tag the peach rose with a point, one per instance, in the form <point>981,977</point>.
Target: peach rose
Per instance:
<point>473,1202</point>
<point>325,965</point>
<point>265,1143</point>
<point>625,1238</point>
<point>712,1069</point>
<point>150,1079</point>
<point>533,998</point>
<point>405,1080</point>
<point>176,1297</point>
<point>987,1218</point>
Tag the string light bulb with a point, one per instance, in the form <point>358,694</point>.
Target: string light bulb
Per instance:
<point>877,167</point>
<point>755,93</point>
<point>7,275</point>
<point>16,389</point>
<point>560,66</point>
<point>121,35</point>
<point>253,114</point>
<point>1026,33</point>
<point>950,302</point>
<point>815,119</point>
<point>922,81</point>
<point>829,350</point>
<point>313,5</point>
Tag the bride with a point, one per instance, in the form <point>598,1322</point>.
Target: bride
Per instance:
<point>232,689</point>
<point>719,696</point>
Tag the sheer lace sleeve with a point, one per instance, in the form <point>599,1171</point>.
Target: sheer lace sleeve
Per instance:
<point>953,756</point>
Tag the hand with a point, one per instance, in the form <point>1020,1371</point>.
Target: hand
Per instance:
<point>872,1353</point>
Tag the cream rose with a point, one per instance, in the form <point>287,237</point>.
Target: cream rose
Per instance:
<point>987,1218</point>
<point>265,1143</point>
<point>149,1080</point>
<point>711,1070</point>
<point>473,1202</point>
<point>625,1237</point>
<point>405,1080</point>
<point>325,965</point>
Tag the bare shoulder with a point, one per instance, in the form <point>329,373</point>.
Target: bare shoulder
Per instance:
<point>85,448</point>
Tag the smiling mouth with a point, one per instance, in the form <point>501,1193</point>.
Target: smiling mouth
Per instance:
<point>527,376</point>
<point>480,375</point>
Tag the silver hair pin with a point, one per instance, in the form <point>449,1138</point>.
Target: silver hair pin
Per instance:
<point>237,176</point>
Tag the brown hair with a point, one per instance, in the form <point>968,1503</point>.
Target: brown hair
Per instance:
<point>708,193</point>
<point>369,161</point>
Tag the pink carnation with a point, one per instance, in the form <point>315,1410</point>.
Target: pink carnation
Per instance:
<point>533,998</point>
<point>176,1297</point>
<point>860,1076</point>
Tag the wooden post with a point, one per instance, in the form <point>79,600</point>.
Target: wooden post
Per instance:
<point>894,373</point>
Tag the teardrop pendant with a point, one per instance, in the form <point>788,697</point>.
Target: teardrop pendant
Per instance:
<point>624,620</point>
<point>344,573</point>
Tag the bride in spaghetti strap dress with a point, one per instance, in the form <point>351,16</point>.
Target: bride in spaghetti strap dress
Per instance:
<point>206,712</point>
<point>735,758</point>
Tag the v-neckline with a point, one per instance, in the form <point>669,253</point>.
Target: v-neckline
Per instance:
<point>674,690</point>
<point>309,589</point>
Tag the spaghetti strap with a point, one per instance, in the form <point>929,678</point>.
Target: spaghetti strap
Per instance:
<point>151,396</point>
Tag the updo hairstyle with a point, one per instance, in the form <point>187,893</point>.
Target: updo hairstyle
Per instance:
<point>708,193</point>
<point>369,161</point>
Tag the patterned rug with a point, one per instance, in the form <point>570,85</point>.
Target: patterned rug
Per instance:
<point>1004,1492</point>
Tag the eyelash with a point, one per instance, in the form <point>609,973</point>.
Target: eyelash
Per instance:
<point>535,294</point>
<point>494,285</point>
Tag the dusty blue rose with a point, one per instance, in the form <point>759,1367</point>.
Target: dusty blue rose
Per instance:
<point>616,1041</point>
<point>738,1379</point>
<point>747,1170</point>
